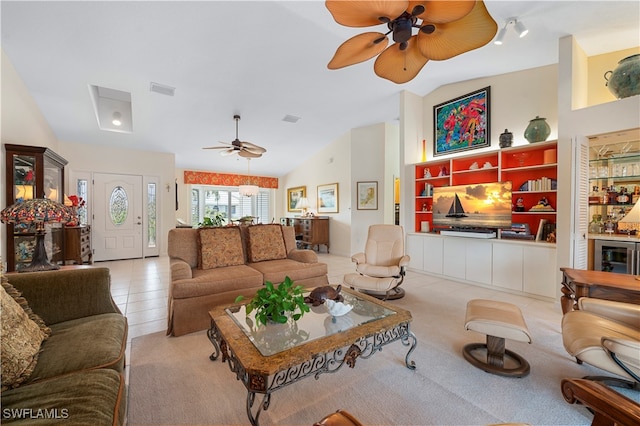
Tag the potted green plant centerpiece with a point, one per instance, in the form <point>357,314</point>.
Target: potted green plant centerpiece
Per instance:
<point>216,219</point>
<point>273,303</point>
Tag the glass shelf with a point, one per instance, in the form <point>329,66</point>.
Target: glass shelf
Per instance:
<point>616,158</point>
<point>621,178</point>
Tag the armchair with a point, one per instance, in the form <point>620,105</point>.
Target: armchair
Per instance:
<point>380,269</point>
<point>605,334</point>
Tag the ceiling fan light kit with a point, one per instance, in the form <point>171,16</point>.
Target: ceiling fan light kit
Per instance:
<point>420,30</point>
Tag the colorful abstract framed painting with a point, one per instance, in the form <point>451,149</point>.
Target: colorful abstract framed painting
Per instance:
<point>328,198</point>
<point>462,123</point>
<point>293,195</point>
<point>367,195</point>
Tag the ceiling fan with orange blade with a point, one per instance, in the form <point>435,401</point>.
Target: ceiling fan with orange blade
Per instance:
<point>444,29</point>
<point>243,149</point>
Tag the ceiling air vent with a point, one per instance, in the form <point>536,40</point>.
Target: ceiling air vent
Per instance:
<point>291,118</point>
<point>162,89</point>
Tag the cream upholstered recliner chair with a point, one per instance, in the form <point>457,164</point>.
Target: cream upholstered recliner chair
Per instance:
<point>605,334</point>
<point>380,269</point>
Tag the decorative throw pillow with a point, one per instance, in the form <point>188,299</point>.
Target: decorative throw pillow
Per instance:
<point>17,296</point>
<point>21,340</point>
<point>265,242</point>
<point>220,247</point>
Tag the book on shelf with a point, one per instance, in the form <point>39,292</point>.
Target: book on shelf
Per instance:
<point>518,231</point>
<point>542,184</point>
<point>539,234</point>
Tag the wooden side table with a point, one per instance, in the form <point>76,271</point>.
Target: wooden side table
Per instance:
<point>577,283</point>
<point>77,245</point>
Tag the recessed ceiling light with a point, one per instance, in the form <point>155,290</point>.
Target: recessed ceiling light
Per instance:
<point>112,108</point>
<point>117,119</point>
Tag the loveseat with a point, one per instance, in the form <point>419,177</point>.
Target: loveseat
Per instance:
<point>63,346</point>
<point>212,266</point>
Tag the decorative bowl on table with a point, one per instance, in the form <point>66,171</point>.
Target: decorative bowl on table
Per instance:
<point>337,309</point>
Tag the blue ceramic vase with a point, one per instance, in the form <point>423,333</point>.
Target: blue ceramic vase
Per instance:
<point>624,81</point>
<point>538,130</point>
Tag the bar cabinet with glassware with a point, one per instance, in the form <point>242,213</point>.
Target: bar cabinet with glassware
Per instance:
<point>614,183</point>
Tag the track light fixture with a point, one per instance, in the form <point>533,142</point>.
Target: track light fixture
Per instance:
<point>521,29</point>
<point>500,37</point>
<point>518,27</point>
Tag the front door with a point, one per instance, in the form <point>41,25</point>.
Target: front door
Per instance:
<point>117,222</point>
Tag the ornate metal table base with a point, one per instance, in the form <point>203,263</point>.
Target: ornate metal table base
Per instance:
<point>329,362</point>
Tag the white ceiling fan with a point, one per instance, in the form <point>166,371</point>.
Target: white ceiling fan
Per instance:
<point>242,148</point>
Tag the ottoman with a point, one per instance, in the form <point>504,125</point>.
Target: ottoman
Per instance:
<point>498,321</point>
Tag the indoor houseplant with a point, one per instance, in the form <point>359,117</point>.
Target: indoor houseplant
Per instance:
<point>216,219</point>
<point>277,303</point>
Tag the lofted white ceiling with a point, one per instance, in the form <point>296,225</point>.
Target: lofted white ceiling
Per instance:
<point>263,60</point>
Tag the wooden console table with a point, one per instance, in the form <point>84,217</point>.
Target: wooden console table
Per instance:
<point>577,283</point>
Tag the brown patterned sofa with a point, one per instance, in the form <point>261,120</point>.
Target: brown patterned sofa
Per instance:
<point>212,266</point>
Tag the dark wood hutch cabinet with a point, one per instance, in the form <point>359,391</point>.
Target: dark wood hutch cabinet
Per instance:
<point>31,172</point>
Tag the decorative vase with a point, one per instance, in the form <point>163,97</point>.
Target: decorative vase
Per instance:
<point>506,139</point>
<point>537,131</point>
<point>624,80</point>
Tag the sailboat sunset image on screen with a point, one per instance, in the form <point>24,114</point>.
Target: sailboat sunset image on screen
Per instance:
<point>456,209</point>
<point>482,205</point>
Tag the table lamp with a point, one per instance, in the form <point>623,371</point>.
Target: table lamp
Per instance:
<point>631,221</point>
<point>38,211</point>
<point>303,204</point>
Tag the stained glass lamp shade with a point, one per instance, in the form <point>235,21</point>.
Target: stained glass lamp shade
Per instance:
<point>38,211</point>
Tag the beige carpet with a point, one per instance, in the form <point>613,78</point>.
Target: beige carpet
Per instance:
<point>172,381</point>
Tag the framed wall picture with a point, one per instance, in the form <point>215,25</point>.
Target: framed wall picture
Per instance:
<point>367,195</point>
<point>462,123</point>
<point>293,195</point>
<point>328,198</point>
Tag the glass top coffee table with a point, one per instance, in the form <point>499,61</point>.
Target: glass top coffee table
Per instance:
<point>269,357</point>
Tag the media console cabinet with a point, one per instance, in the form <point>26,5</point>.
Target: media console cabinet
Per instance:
<point>516,266</point>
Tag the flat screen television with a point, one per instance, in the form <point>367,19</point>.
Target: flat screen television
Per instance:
<point>479,205</point>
